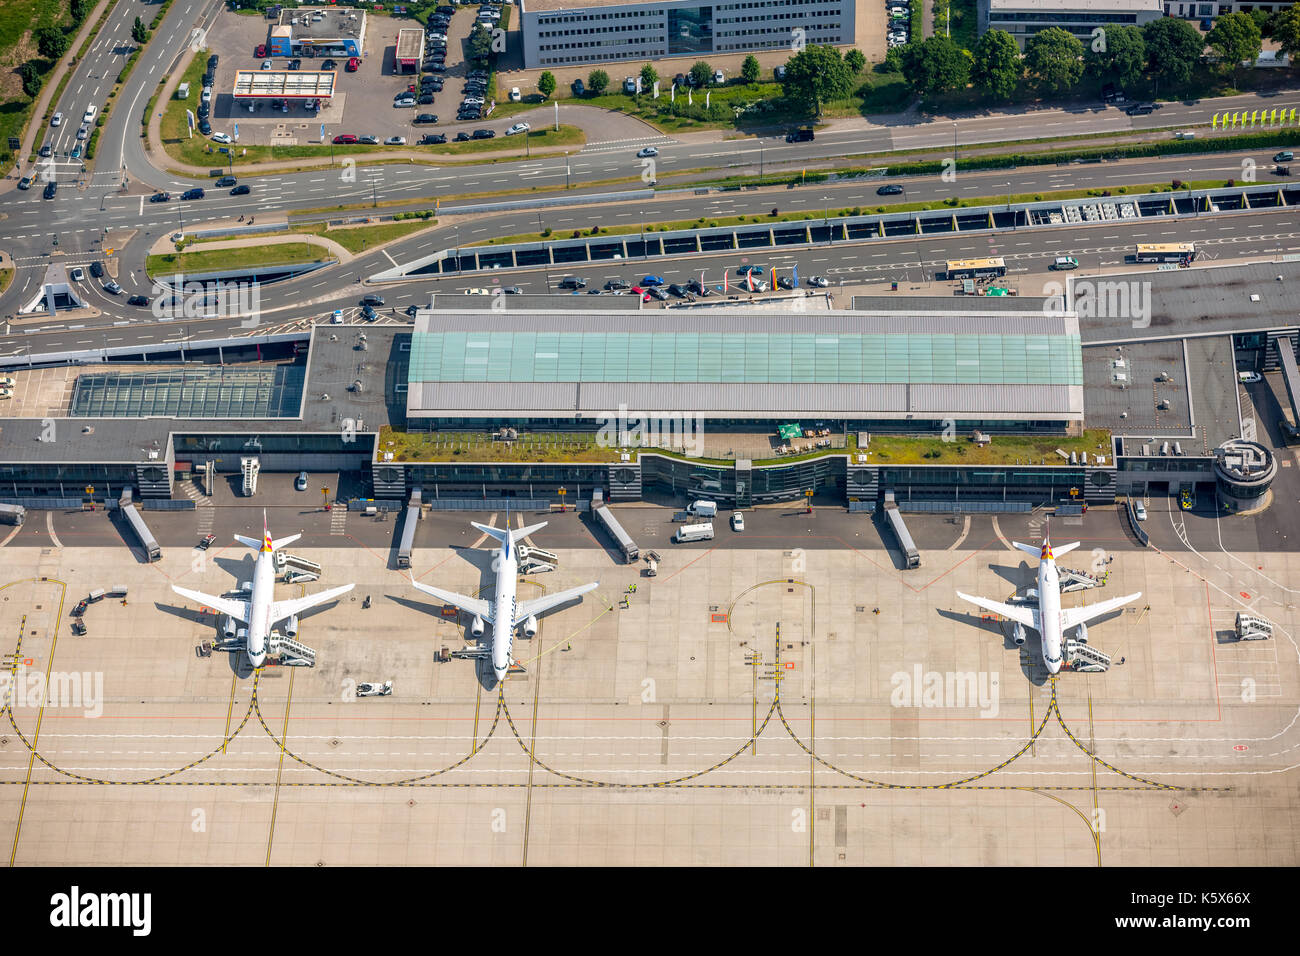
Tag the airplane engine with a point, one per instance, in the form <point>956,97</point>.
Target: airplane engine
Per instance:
<point>228,627</point>
<point>476,626</point>
<point>1018,634</point>
<point>291,626</point>
<point>242,634</point>
<point>246,586</point>
<point>530,626</point>
<point>1083,634</point>
<point>1032,594</point>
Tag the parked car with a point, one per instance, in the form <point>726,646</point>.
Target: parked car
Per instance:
<point>427,117</point>
<point>818,282</point>
<point>695,287</point>
<point>343,139</point>
<point>259,51</point>
<point>368,140</point>
<point>266,64</point>
<point>329,65</point>
<point>224,138</point>
<point>395,141</point>
<point>484,133</point>
<point>462,137</point>
<point>737,521</point>
<point>518,128</point>
<point>353,64</point>
<point>657,293</point>
<point>677,290</point>
<point>785,282</point>
<point>295,64</point>
<point>301,483</point>
<point>578,88</point>
<point>426,99</point>
<point>205,127</point>
<point>719,78</point>
<point>432,139</point>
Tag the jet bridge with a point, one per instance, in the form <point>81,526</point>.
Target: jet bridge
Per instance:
<point>408,530</point>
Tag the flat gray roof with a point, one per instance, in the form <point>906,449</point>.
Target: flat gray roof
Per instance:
<point>1079,6</point>
<point>1132,410</point>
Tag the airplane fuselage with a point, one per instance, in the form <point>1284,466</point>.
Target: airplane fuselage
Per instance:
<point>259,610</point>
<point>1049,613</point>
<point>503,610</point>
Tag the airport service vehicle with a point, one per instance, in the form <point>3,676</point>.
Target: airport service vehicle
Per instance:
<point>504,612</point>
<point>694,532</point>
<point>737,521</point>
<point>1049,619</point>
<point>1249,378</point>
<point>261,611</point>
<point>369,689</point>
<point>206,541</point>
<point>702,508</point>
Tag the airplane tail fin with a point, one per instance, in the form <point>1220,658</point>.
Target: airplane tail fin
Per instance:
<point>498,533</point>
<point>508,537</point>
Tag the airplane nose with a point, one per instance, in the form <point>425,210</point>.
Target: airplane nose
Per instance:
<point>500,672</point>
<point>257,660</point>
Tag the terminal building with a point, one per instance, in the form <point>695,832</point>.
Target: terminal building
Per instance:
<point>970,403</point>
<point>579,32</point>
<point>1024,18</point>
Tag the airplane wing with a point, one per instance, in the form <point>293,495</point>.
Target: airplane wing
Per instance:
<point>1025,615</point>
<point>547,601</point>
<point>282,609</point>
<point>469,605</point>
<point>1074,616</point>
<point>236,609</point>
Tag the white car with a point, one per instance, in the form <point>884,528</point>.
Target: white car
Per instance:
<point>647,152</point>
<point>518,128</point>
<point>368,689</point>
<point>77,275</point>
<point>223,138</point>
<point>90,114</point>
<point>112,287</point>
<point>83,132</point>
<point>818,282</point>
<point>1140,511</point>
<point>737,521</point>
<point>395,141</point>
<point>57,120</point>
<point>337,317</point>
<point>1249,378</point>
<point>478,292</point>
<point>266,64</point>
<point>301,483</point>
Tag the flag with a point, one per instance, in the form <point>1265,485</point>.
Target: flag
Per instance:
<point>236,131</point>
<point>796,275</point>
<point>749,281</point>
<point>322,132</point>
<point>725,277</point>
<point>773,283</point>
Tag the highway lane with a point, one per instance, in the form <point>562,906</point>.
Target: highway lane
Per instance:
<point>1028,254</point>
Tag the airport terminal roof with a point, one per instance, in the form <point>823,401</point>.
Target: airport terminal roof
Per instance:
<point>1018,366</point>
<point>1080,6</point>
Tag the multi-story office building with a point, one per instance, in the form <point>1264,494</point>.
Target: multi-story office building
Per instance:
<point>1024,18</point>
<point>578,32</point>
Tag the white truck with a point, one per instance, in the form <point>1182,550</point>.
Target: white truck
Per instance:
<point>702,508</point>
<point>694,532</point>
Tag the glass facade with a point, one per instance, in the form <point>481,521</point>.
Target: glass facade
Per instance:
<point>746,357</point>
<point>690,30</point>
<point>205,391</point>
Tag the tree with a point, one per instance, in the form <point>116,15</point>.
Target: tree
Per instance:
<point>1264,21</point>
<point>855,61</point>
<point>701,74</point>
<point>546,84</point>
<point>1054,58</point>
<point>649,77</point>
<point>597,82</point>
<point>1173,49</point>
<point>480,43</point>
<point>1121,58</point>
<point>1286,30</point>
<point>750,69</point>
<point>51,42</point>
<point>79,10</point>
<point>32,78</point>
<point>816,74</point>
<point>935,65</point>
<point>139,32</point>
<point>893,62</point>
<point>997,68</point>
<point>1235,38</point>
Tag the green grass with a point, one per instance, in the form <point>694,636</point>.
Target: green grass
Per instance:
<point>244,257</point>
<point>352,238</point>
<point>480,446</point>
<point>965,28</point>
<point>6,276</point>
<point>18,20</point>
<point>1002,450</point>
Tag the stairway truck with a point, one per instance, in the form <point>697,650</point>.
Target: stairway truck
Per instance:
<point>621,538</point>
<point>694,532</point>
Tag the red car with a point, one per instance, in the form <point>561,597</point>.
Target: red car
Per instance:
<point>260,52</point>
<point>354,64</point>
<point>344,138</point>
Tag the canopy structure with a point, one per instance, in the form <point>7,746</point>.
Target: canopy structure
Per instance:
<point>788,432</point>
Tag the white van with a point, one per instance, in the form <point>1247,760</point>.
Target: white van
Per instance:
<point>694,532</point>
<point>702,508</point>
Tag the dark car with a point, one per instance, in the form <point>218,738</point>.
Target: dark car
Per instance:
<point>801,135</point>
<point>213,61</point>
<point>614,285</point>
<point>1140,109</point>
<point>372,299</point>
<point>50,189</point>
<point>432,139</point>
<point>695,287</point>
<point>426,99</point>
<point>657,293</point>
<point>138,300</point>
<point>412,309</point>
<point>427,117</point>
<point>484,133</point>
<point>295,64</point>
<point>206,541</point>
<point>438,68</point>
<point>462,137</point>
<point>97,269</point>
<point>195,193</point>
<point>677,290</point>
<point>239,191</point>
<point>203,111</point>
<point>890,189</point>
<point>205,127</point>
<point>578,88</point>
<point>511,290</point>
<point>679,80</point>
<point>746,270</point>
<point>785,282</point>
<point>328,65</point>
<point>573,282</point>
<point>226,181</point>
<point>368,313</point>
<point>160,197</point>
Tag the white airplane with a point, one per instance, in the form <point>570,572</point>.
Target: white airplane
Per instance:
<point>503,612</point>
<point>1048,619</point>
<point>261,611</point>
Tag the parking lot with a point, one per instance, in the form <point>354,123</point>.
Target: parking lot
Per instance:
<point>363,104</point>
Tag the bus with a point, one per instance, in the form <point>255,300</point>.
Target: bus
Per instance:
<point>976,268</point>
<point>1166,252</point>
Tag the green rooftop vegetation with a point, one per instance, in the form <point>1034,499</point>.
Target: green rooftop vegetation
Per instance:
<point>570,447</point>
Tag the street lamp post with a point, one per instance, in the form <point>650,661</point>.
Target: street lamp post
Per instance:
<point>826,217</point>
